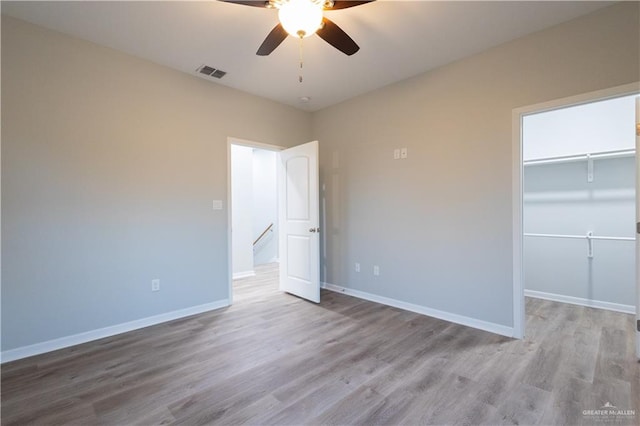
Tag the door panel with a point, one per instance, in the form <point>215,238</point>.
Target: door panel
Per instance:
<point>299,220</point>
<point>299,257</point>
<point>297,192</point>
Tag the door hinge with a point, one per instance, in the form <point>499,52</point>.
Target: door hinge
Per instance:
<point>638,325</point>
<point>638,228</point>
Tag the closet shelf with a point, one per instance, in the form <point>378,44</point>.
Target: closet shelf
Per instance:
<point>581,237</point>
<point>589,237</point>
<point>582,157</point>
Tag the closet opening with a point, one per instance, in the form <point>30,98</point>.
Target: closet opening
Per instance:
<point>575,212</point>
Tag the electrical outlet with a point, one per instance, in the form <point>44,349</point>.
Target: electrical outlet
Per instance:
<point>376,270</point>
<point>396,154</point>
<point>357,267</point>
<point>155,285</point>
<point>404,153</point>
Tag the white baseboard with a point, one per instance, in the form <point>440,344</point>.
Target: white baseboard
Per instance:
<point>446,316</point>
<point>244,274</point>
<point>627,309</point>
<point>88,336</point>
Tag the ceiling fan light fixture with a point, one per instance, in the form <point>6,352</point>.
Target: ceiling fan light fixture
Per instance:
<point>300,18</point>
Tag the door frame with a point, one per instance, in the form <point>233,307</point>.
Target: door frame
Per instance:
<point>252,144</point>
<point>517,180</point>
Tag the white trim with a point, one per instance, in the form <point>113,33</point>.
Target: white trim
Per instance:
<point>446,316</point>
<point>517,171</point>
<point>517,224</point>
<point>229,223</point>
<point>243,274</point>
<point>637,245</point>
<point>88,336</point>
<point>627,309</point>
<point>252,144</point>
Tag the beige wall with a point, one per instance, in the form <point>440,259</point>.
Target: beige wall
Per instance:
<point>109,168</point>
<point>439,223</point>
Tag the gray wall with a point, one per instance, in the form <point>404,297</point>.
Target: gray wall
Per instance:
<point>109,168</point>
<point>559,200</point>
<point>110,163</point>
<point>439,223</point>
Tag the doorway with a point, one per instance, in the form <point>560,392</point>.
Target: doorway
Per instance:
<point>274,214</point>
<point>253,208</point>
<point>579,205</point>
<point>573,230</point>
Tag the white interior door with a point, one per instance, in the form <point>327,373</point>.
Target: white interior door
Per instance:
<point>638,227</point>
<point>298,195</point>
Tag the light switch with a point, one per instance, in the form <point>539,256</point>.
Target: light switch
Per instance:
<point>396,154</point>
<point>403,153</point>
<point>217,204</point>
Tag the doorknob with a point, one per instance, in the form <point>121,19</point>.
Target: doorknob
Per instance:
<point>314,229</point>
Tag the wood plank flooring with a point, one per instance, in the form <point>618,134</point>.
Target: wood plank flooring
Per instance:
<point>272,358</point>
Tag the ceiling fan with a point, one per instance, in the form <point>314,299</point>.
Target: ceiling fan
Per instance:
<point>302,18</point>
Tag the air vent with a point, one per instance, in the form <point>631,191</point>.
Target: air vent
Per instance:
<point>211,71</point>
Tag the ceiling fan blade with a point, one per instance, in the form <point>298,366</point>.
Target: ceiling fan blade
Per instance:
<point>333,34</point>
<point>273,40</point>
<point>255,3</point>
<point>337,4</point>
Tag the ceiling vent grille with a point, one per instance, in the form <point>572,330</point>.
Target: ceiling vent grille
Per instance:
<point>211,71</point>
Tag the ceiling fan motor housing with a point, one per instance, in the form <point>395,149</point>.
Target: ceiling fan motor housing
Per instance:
<point>303,18</point>
<point>300,18</point>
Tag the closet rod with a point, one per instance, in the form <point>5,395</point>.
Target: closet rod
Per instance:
<point>580,237</point>
<point>572,158</point>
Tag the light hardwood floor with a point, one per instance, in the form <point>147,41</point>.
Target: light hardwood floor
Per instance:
<point>272,358</point>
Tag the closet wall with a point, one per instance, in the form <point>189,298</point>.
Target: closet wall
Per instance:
<point>242,211</point>
<point>265,206</point>
<point>560,199</point>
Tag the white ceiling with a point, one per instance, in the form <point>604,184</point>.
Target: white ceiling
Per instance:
<point>397,39</point>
